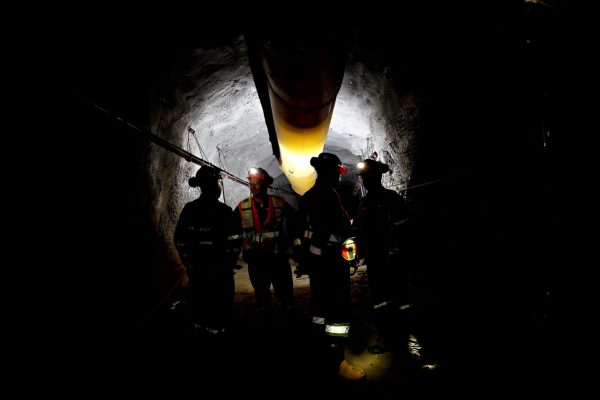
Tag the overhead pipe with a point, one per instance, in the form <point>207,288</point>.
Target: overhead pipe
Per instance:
<point>297,76</point>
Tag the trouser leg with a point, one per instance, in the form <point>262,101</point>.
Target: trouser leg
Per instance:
<point>259,277</point>
<point>281,275</point>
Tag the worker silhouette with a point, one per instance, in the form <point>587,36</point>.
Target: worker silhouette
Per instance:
<point>260,218</point>
<point>322,225</point>
<point>381,227</point>
<point>203,237</point>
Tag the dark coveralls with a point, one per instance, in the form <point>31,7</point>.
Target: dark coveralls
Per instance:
<point>381,229</point>
<point>208,250</point>
<point>326,226</point>
<point>264,249</point>
<point>381,225</point>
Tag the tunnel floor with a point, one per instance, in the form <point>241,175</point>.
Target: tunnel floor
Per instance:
<point>263,358</point>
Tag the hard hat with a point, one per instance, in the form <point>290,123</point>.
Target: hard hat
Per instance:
<point>206,175</point>
<point>258,172</point>
<point>328,161</point>
<point>371,167</point>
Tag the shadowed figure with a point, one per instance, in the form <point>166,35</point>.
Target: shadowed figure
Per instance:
<point>382,236</point>
<point>322,226</point>
<point>209,252</point>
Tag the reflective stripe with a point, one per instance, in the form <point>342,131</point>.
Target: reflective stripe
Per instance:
<point>209,330</point>
<point>297,242</point>
<point>259,236</point>
<point>270,235</point>
<point>315,250</point>
<point>318,320</point>
<point>414,347</point>
<point>335,238</point>
<point>205,242</point>
<point>337,329</point>
<point>404,307</point>
<point>245,207</point>
<point>233,237</point>
<point>401,221</point>
<point>262,240</point>
<point>308,234</point>
<point>383,304</point>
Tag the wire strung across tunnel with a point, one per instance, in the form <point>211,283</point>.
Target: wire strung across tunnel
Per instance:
<point>176,149</point>
<point>197,160</point>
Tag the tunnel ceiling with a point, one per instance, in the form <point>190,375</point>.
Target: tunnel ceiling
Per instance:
<point>210,107</point>
<point>419,90</point>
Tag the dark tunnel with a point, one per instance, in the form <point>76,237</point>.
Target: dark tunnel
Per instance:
<point>476,113</point>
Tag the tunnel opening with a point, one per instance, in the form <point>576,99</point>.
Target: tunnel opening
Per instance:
<point>456,111</point>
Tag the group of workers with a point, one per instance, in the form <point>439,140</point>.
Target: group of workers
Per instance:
<point>268,231</point>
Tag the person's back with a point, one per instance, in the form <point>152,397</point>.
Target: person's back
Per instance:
<point>204,221</point>
<point>381,214</point>
<point>381,227</point>
<point>325,213</point>
<point>322,226</point>
<point>206,248</point>
<point>381,218</point>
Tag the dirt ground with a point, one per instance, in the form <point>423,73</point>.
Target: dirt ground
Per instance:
<point>263,358</point>
<point>282,352</point>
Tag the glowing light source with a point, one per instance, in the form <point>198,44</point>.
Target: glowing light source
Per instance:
<point>297,146</point>
<point>349,249</point>
<point>304,72</point>
<point>360,165</point>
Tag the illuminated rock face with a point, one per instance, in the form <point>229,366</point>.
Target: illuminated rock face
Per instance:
<point>215,95</point>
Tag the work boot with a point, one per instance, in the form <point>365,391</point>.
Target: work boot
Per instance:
<point>351,373</point>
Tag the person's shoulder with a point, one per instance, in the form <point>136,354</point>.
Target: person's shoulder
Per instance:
<point>194,203</point>
<point>243,201</point>
<point>219,210</point>
<point>308,193</point>
<point>225,207</point>
<point>194,207</point>
<point>185,209</point>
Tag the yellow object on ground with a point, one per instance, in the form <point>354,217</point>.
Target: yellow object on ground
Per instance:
<point>349,372</point>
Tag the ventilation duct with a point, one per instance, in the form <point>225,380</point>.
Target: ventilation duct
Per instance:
<point>297,77</point>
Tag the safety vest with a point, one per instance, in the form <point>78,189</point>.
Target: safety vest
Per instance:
<point>262,235</point>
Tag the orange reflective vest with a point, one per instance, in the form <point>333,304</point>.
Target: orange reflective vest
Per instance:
<point>262,235</point>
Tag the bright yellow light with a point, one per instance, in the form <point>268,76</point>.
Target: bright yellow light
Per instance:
<point>297,146</point>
